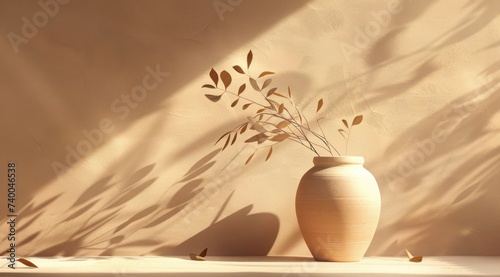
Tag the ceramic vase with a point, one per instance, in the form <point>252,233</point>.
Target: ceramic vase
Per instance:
<point>338,208</point>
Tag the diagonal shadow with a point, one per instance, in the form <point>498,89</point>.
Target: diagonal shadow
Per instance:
<point>240,233</point>
<point>447,200</point>
<point>107,57</point>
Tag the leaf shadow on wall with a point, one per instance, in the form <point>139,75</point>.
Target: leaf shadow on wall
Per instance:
<point>438,179</point>
<point>97,209</point>
<point>381,54</point>
<point>444,182</point>
<point>107,56</point>
<point>114,57</point>
<point>239,233</point>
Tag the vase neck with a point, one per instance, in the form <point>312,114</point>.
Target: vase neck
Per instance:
<point>334,161</point>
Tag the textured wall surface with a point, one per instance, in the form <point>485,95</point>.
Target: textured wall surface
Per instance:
<point>104,115</point>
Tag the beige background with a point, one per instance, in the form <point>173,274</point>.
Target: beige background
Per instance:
<point>423,73</point>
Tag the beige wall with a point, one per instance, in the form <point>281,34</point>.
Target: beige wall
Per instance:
<point>148,179</point>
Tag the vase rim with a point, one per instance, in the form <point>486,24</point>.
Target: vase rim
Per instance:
<point>338,160</point>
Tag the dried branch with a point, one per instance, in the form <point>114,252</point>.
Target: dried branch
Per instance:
<point>273,121</point>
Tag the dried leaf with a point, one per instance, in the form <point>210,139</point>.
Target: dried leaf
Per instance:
<point>249,58</point>
<point>261,116</point>
<point>281,108</point>
<point>235,102</point>
<point>320,104</point>
<point>280,137</point>
<point>280,95</point>
<point>214,76</point>
<point>195,257</point>
<point>265,73</point>
<point>345,123</point>
<point>204,252</point>
<point>269,153</point>
<point>208,86</point>
<point>244,128</point>
<point>242,88</point>
<point>283,124</point>
<point>342,133</point>
<point>226,78</point>
<point>249,158</point>
<point>227,142</point>
<point>254,84</point>
<point>275,105</point>
<point>246,106</point>
<point>267,83</point>
<point>213,98</point>
<point>289,92</point>
<point>276,131</point>
<point>234,138</point>
<point>222,137</point>
<point>26,262</point>
<point>357,120</point>
<point>261,110</point>
<point>415,259</point>
<point>238,69</point>
<point>271,91</point>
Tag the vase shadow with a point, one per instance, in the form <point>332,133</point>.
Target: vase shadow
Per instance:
<point>239,234</point>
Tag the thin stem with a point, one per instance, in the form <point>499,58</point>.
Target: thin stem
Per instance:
<point>247,99</point>
<point>291,133</point>
<point>307,128</point>
<point>298,126</point>
<point>322,138</point>
<point>295,120</point>
<point>323,133</point>
<point>347,140</point>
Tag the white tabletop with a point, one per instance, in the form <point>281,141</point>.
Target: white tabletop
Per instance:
<point>255,266</point>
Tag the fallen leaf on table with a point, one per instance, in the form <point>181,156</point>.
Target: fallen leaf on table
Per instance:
<point>415,259</point>
<point>199,257</point>
<point>26,262</point>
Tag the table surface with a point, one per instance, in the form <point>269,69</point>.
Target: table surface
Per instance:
<point>254,266</point>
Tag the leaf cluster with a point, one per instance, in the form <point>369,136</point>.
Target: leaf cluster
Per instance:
<point>276,117</point>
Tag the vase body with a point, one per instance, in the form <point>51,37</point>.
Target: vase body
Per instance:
<point>338,208</point>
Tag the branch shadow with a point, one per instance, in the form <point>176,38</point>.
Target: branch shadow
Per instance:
<point>438,178</point>
<point>108,55</point>
<point>380,56</point>
<point>96,212</point>
<point>185,198</point>
<point>443,173</point>
<point>104,230</point>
